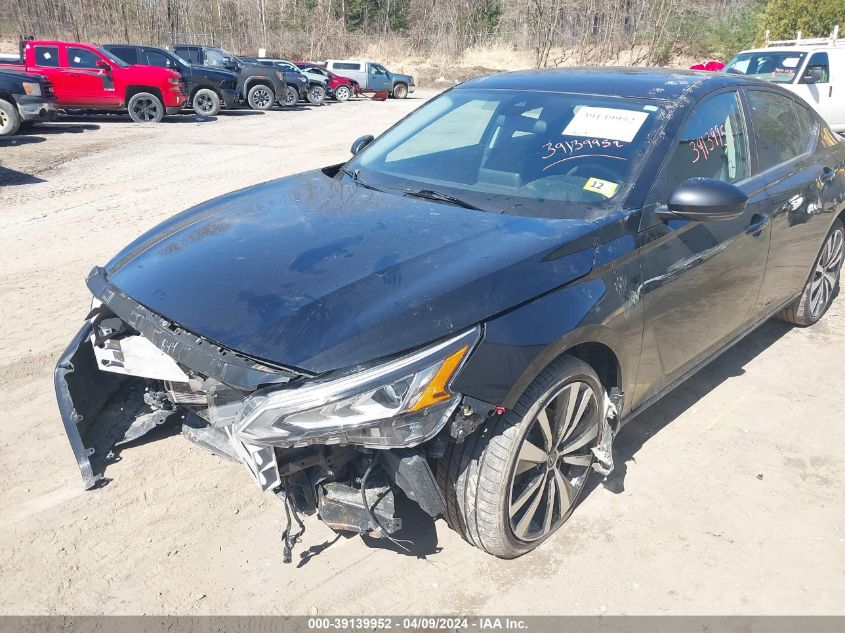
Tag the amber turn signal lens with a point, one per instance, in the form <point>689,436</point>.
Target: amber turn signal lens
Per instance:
<point>436,390</point>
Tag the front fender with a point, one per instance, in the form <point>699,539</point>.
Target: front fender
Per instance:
<point>603,307</point>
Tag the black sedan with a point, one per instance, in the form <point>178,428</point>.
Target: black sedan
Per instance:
<point>469,308</point>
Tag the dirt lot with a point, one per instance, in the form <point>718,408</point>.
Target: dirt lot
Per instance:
<point>728,496</point>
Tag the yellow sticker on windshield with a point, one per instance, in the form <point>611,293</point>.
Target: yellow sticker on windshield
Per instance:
<point>604,187</point>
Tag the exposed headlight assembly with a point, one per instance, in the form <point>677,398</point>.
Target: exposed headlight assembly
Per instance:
<point>402,402</point>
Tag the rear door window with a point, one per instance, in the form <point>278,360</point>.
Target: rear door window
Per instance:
<point>777,128</point>
<point>47,56</point>
<point>713,143</point>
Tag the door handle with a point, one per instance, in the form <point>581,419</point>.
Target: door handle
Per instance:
<point>758,223</point>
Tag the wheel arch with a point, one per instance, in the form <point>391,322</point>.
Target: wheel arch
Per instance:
<point>131,91</point>
<point>595,345</point>
<point>254,81</point>
<point>6,96</point>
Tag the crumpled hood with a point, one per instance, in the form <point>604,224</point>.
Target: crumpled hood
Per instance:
<point>319,274</point>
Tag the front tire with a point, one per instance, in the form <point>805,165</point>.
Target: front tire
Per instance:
<point>10,118</point>
<point>206,102</point>
<point>260,97</point>
<point>316,95</point>
<point>823,284</point>
<point>145,108</point>
<point>400,91</point>
<point>291,96</point>
<point>342,93</point>
<point>515,481</point>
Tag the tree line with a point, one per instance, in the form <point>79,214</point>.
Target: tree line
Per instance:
<point>556,32</point>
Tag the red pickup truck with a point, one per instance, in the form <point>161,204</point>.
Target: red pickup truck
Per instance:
<point>88,77</point>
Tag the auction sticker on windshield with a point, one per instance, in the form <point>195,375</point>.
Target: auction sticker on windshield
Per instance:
<point>612,123</point>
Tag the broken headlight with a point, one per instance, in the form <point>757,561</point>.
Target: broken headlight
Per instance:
<point>402,402</point>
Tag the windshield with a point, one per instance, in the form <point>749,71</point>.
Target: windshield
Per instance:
<point>524,153</point>
<point>114,60</point>
<point>779,67</point>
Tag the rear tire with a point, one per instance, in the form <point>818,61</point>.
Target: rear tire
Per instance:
<point>145,108</point>
<point>342,93</point>
<point>261,97</point>
<point>400,91</point>
<point>823,284</point>
<point>206,102</point>
<point>514,482</point>
<point>10,118</point>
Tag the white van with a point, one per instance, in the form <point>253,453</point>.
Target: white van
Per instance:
<point>813,69</point>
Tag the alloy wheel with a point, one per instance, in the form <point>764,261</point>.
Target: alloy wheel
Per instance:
<point>261,97</point>
<point>4,120</point>
<point>553,461</point>
<point>145,109</point>
<point>342,93</point>
<point>291,96</point>
<point>204,104</point>
<point>826,273</point>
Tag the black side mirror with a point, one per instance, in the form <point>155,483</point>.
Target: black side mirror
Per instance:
<point>704,199</point>
<point>103,65</point>
<point>361,142</point>
<point>812,75</point>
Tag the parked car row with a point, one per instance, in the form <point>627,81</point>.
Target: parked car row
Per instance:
<point>148,82</point>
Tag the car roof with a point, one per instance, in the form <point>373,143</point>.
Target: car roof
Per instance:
<point>647,83</point>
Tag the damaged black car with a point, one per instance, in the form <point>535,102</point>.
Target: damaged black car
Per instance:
<point>467,311</point>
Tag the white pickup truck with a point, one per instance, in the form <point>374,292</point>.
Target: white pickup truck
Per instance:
<point>373,77</point>
<point>813,69</point>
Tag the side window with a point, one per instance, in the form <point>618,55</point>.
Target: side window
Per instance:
<point>126,53</point>
<point>776,128</point>
<point>47,56</point>
<point>809,126</point>
<point>81,58</point>
<point>713,143</point>
<point>154,58</point>
<point>820,61</point>
<point>214,57</point>
<point>347,66</point>
<point>189,54</point>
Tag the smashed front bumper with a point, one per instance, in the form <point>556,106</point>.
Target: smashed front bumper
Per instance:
<point>129,370</point>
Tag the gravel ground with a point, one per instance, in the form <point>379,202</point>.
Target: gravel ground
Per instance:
<point>727,498</point>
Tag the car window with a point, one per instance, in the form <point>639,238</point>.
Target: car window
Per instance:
<point>129,54</point>
<point>461,127</point>
<point>530,153</point>
<point>191,54</point>
<point>47,56</point>
<point>214,57</point>
<point>346,66</point>
<point>713,143</point>
<point>776,128</point>
<point>81,58</point>
<point>819,60</point>
<point>155,58</point>
<point>809,126</point>
<point>778,67</point>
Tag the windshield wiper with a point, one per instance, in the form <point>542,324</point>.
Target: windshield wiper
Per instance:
<point>428,194</point>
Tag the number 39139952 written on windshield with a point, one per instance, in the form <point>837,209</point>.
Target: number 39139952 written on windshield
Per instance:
<point>577,148</point>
